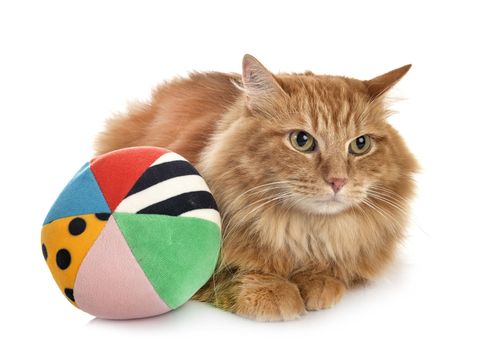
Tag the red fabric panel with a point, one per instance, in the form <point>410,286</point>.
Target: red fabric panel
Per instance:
<point>116,172</point>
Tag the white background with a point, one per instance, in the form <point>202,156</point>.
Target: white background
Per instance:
<point>66,66</point>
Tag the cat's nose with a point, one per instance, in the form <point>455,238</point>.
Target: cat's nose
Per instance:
<point>337,183</point>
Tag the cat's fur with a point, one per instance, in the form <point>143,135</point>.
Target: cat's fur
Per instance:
<point>287,246</point>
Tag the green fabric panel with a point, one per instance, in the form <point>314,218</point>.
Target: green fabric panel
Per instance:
<point>178,254</point>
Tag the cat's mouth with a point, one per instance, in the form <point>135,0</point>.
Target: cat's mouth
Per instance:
<point>333,198</point>
<point>327,205</point>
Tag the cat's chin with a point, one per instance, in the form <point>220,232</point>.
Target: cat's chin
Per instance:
<point>324,207</point>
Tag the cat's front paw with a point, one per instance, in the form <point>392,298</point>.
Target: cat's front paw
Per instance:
<point>319,291</point>
<point>269,298</point>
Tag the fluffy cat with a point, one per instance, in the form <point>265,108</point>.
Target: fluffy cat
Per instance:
<point>312,183</point>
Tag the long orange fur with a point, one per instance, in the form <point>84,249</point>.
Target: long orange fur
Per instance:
<point>286,249</point>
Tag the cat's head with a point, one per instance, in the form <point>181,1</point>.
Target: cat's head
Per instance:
<point>315,142</point>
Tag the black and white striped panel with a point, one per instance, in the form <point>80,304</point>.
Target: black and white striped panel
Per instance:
<point>171,186</point>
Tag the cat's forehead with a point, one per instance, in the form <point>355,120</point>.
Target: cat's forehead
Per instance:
<point>328,85</point>
<point>327,104</point>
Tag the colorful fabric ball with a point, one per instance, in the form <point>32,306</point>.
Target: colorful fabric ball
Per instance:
<point>135,233</point>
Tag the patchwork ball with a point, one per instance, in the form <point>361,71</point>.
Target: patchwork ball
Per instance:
<point>135,233</point>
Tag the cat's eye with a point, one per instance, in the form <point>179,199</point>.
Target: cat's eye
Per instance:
<point>302,141</point>
<point>360,145</point>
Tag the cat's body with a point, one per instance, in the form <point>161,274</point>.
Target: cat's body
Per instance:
<point>299,226</point>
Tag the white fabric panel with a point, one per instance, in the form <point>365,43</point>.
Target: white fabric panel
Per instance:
<point>168,157</point>
<point>206,214</point>
<point>162,191</point>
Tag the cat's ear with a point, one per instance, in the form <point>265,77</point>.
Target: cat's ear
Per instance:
<point>381,84</point>
<point>259,84</point>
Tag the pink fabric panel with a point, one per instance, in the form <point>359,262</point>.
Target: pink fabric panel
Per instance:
<point>111,284</point>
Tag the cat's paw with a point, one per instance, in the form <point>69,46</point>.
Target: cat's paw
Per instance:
<point>319,291</point>
<point>269,298</point>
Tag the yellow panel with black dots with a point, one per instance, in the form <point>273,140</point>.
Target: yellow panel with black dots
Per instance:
<point>65,242</point>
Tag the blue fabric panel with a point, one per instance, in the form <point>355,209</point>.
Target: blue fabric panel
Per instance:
<point>82,195</point>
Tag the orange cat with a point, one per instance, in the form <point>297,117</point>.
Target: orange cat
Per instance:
<point>312,182</point>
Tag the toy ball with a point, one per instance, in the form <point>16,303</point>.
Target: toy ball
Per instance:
<point>135,233</point>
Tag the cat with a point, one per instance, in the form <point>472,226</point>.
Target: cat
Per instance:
<point>312,183</point>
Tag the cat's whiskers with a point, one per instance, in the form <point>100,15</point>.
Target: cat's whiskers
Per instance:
<point>278,197</point>
<point>399,202</point>
<point>263,188</point>
<point>227,231</point>
<point>386,215</point>
<point>263,195</point>
<point>383,188</point>
<point>241,218</point>
<point>294,202</point>
<point>268,185</point>
<point>388,200</point>
<point>363,214</point>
